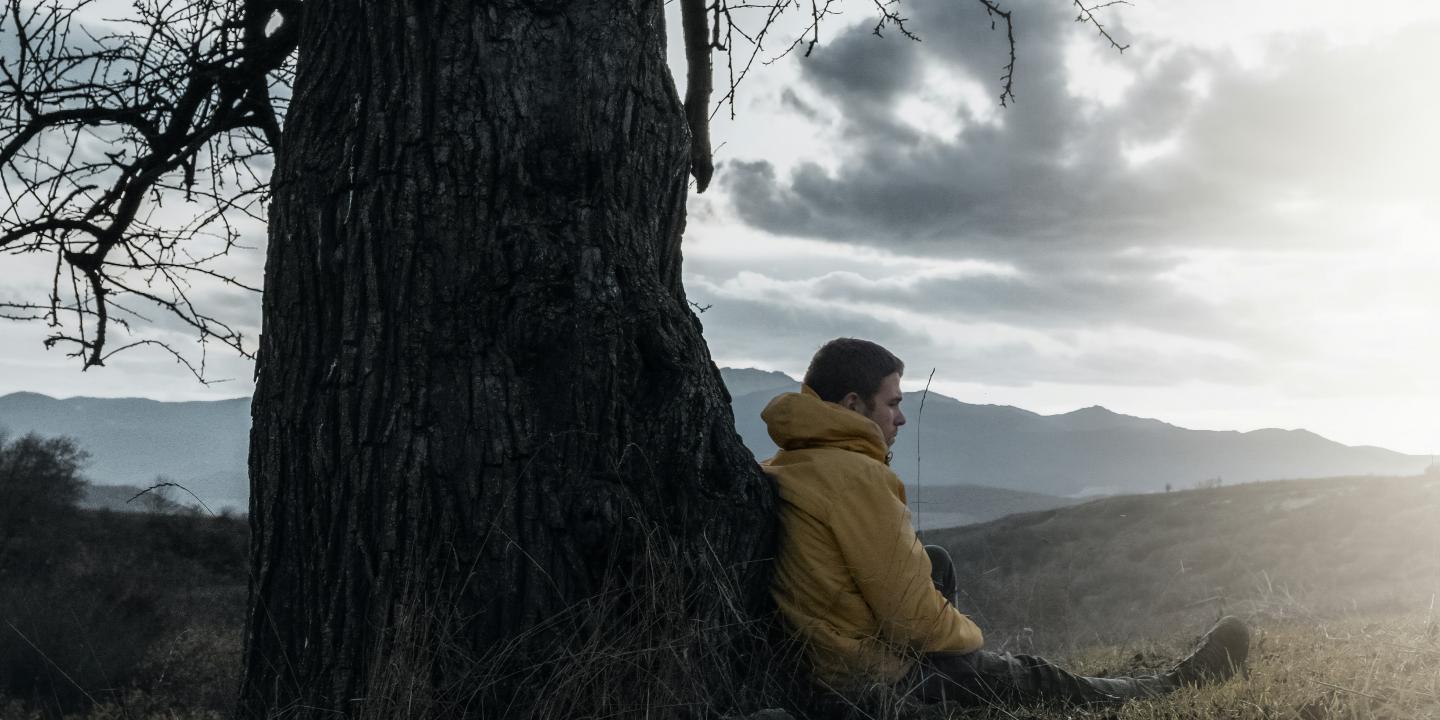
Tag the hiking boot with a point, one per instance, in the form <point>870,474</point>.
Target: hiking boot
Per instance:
<point>1220,654</point>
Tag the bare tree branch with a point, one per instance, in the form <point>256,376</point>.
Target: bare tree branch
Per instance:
<point>698,89</point>
<point>1087,15</point>
<point>890,15</point>
<point>1007,80</point>
<point>753,21</point>
<point>102,122</point>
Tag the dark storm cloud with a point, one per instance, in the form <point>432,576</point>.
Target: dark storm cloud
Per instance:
<point>1051,175</point>
<point>855,70</point>
<point>897,184</point>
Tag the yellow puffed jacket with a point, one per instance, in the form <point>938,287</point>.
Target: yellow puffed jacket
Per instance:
<point>851,580</point>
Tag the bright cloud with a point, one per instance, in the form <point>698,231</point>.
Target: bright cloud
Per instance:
<point>1243,205</point>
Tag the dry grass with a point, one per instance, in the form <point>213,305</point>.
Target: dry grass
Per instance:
<point>1122,569</point>
<point>1352,668</point>
<point>659,640</point>
<point>1348,669</point>
<point>1355,667</point>
<point>1335,577</point>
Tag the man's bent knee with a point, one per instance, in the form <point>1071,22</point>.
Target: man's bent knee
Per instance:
<point>942,571</point>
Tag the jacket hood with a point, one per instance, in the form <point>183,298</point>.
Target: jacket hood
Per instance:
<point>798,421</point>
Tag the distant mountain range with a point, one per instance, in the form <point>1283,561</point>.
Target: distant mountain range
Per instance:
<point>202,445</point>
<point>1010,460</point>
<point>1092,451</point>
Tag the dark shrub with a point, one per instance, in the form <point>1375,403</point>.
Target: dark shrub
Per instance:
<point>40,483</point>
<point>69,638</point>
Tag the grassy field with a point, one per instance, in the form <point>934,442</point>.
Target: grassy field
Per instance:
<point>1347,668</point>
<point>138,616</point>
<point>1125,568</point>
<point>1351,668</point>
<point>1337,578</point>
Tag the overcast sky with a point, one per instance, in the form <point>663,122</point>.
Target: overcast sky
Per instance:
<point>1233,225</point>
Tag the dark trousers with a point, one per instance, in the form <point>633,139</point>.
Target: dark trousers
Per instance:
<point>983,677</point>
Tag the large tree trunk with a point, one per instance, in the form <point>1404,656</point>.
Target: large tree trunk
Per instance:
<point>485,424</point>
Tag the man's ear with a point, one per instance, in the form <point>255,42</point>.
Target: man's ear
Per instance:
<point>851,401</point>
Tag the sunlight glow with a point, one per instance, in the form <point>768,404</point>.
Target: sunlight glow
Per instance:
<point>1143,153</point>
<point>1095,72</point>
<point>934,109</point>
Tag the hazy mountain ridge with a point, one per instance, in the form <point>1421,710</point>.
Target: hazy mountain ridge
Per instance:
<point>200,444</point>
<point>203,445</point>
<point>743,381</point>
<point>1088,451</point>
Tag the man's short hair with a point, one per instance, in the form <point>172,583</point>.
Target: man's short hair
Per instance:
<point>846,365</point>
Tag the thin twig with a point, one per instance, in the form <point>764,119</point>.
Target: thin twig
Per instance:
<point>919,487</point>
<point>168,484</point>
<point>1087,15</point>
<point>1007,80</point>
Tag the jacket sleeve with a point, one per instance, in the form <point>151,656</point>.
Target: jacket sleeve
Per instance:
<point>892,570</point>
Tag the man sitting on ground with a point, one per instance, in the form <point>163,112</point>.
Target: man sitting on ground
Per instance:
<point>856,588</point>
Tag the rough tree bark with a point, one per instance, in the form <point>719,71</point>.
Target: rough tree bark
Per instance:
<point>482,398</point>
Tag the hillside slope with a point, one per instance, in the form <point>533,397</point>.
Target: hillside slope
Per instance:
<point>944,506</point>
<point>1123,567</point>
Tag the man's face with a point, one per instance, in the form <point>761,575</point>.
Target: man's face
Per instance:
<point>884,408</point>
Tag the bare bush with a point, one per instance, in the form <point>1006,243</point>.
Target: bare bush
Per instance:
<point>40,483</point>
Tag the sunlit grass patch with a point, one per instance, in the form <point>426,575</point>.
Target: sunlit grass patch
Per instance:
<point>1358,667</point>
<point>1350,668</point>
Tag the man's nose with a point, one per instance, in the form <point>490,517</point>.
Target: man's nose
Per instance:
<point>899,418</point>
